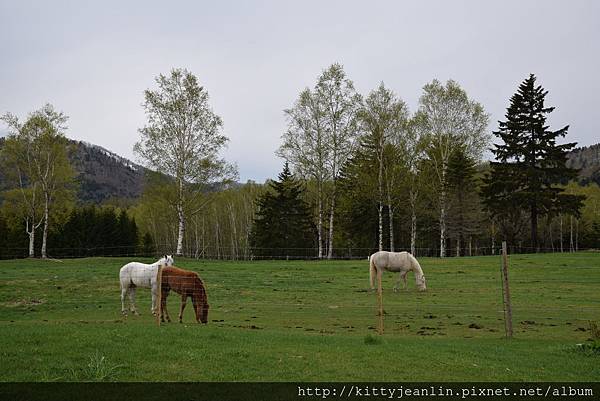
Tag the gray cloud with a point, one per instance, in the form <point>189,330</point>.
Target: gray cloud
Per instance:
<point>93,60</point>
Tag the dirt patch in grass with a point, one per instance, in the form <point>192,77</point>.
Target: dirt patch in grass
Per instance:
<point>24,302</point>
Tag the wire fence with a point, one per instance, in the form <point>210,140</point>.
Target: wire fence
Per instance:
<point>262,253</point>
<point>553,304</point>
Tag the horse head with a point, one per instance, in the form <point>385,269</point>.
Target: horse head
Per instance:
<point>167,260</point>
<point>203,313</point>
<point>421,283</point>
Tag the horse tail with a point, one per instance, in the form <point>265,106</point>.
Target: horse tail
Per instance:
<point>122,273</point>
<point>372,271</point>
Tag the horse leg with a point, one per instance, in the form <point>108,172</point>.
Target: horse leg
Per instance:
<point>163,302</point>
<point>183,302</point>
<point>153,307</point>
<point>403,275</point>
<point>123,296</point>
<point>132,300</point>
<point>196,308</point>
<point>379,292</point>
<point>398,282</point>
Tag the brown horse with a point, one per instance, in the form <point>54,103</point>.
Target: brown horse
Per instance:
<point>187,284</point>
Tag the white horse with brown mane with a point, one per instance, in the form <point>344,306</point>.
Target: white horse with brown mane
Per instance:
<point>401,262</point>
<point>136,274</point>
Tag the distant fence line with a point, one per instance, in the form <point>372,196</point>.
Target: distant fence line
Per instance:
<point>256,253</point>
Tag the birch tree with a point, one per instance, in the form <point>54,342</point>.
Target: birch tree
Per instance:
<point>182,138</point>
<point>448,119</point>
<point>410,145</point>
<point>37,152</point>
<point>305,148</point>
<point>340,105</point>
<point>384,117</point>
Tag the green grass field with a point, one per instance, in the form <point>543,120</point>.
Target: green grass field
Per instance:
<point>305,321</point>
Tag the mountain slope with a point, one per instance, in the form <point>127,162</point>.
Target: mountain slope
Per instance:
<point>104,174</point>
<point>101,174</point>
<point>587,159</point>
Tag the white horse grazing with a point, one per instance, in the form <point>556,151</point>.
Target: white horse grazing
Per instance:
<point>136,274</point>
<point>401,262</point>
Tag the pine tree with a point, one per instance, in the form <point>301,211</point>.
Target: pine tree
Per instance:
<point>464,210</point>
<point>530,164</point>
<point>359,201</point>
<point>283,225</point>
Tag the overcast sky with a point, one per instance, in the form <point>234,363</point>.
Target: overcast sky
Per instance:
<point>93,60</point>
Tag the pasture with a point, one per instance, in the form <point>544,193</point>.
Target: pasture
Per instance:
<point>304,321</point>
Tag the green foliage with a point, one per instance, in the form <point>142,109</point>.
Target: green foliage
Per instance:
<point>283,224</point>
<point>148,248</point>
<point>370,339</point>
<point>92,231</point>
<point>358,201</point>
<point>530,164</point>
<point>465,212</point>
<point>182,138</point>
<point>36,154</point>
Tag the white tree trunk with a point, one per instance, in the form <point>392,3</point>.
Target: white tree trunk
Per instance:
<point>576,235</point>
<point>181,218</point>
<point>413,233</point>
<point>391,216</point>
<point>320,222</point>
<point>31,243</point>
<point>443,223</point>
<point>443,210</point>
<point>571,246</point>
<point>561,234</point>
<point>413,222</point>
<point>45,231</point>
<point>380,211</point>
<point>330,248</point>
<point>233,220</point>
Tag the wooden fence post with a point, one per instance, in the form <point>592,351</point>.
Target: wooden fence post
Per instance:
<point>506,294</point>
<point>159,294</point>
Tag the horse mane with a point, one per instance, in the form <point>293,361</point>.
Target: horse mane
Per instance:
<point>415,265</point>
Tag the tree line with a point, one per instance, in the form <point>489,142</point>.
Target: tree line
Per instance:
<point>86,231</point>
<point>361,173</point>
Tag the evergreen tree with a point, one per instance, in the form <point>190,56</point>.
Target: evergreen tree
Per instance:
<point>283,224</point>
<point>148,245</point>
<point>359,201</point>
<point>530,164</point>
<point>464,211</point>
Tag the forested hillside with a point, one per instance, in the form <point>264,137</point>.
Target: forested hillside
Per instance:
<point>101,174</point>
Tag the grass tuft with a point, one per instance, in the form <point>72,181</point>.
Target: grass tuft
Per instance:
<point>372,340</point>
<point>594,330</point>
<point>98,369</point>
<point>588,349</point>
